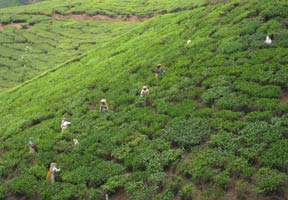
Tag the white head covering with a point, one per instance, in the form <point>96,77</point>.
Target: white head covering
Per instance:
<point>268,40</point>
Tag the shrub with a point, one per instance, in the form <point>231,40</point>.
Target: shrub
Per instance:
<point>115,182</point>
<point>243,191</point>
<point>187,191</point>
<point>264,104</point>
<point>273,11</point>
<point>62,191</point>
<point>140,191</point>
<point>213,94</point>
<point>184,108</point>
<point>2,192</point>
<point>38,171</point>
<point>222,180</point>
<point>239,167</point>
<point>174,184</point>
<point>222,140</point>
<point>165,196</point>
<point>23,185</point>
<point>258,116</point>
<point>269,181</point>
<point>276,156</point>
<point>228,115</point>
<point>234,102</point>
<point>199,168</point>
<point>190,132</point>
<point>256,90</point>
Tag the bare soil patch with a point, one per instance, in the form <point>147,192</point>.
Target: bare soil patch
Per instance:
<point>119,195</point>
<point>16,25</point>
<point>82,17</point>
<point>284,97</point>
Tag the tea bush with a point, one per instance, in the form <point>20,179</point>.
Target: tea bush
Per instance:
<point>189,132</point>
<point>222,180</point>
<point>269,181</point>
<point>2,193</point>
<point>276,156</point>
<point>187,191</point>
<point>23,185</point>
<point>215,116</point>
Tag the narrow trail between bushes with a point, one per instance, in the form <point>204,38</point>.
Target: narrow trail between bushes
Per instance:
<point>83,17</point>
<point>119,195</point>
<point>16,25</point>
<point>284,97</point>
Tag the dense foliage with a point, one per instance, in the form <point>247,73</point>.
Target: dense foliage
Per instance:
<point>213,125</point>
<point>8,3</point>
<point>41,42</point>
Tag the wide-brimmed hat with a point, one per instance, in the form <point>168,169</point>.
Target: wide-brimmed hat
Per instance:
<point>144,87</point>
<point>158,65</point>
<point>103,100</point>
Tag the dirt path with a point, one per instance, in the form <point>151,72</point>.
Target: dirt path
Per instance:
<point>119,195</point>
<point>284,97</point>
<point>82,17</point>
<point>16,25</point>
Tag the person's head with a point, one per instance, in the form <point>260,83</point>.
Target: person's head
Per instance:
<point>145,88</point>
<point>30,138</point>
<point>158,66</point>
<point>53,164</point>
<point>103,101</point>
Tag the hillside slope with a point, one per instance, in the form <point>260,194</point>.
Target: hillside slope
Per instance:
<point>37,37</point>
<point>215,126</point>
<point>9,3</point>
<point>32,44</point>
<point>109,7</point>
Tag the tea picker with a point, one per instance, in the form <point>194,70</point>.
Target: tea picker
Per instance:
<point>64,124</point>
<point>51,173</point>
<point>32,146</point>
<point>144,91</point>
<point>103,106</point>
<point>268,40</point>
<point>158,72</point>
<point>76,142</point>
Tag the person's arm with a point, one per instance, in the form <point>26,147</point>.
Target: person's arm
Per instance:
<point>56,169</point>
<point>107,108</point>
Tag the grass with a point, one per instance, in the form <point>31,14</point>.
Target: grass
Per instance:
<point>201,131</point>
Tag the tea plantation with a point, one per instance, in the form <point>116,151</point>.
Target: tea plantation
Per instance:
<point>31,44</point>
<point>9,3</point>
<point>33,40</point>
<point>214,127</point>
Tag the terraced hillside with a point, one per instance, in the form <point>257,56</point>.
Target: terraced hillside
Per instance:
<point>31,44</point>
<point>110,7</point>
<point>9,3</point>
<point>37,37</point>
<point>214,127</point>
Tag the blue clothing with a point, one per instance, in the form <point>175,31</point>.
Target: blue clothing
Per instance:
<point>103,108</point>
<point>31,142</point>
